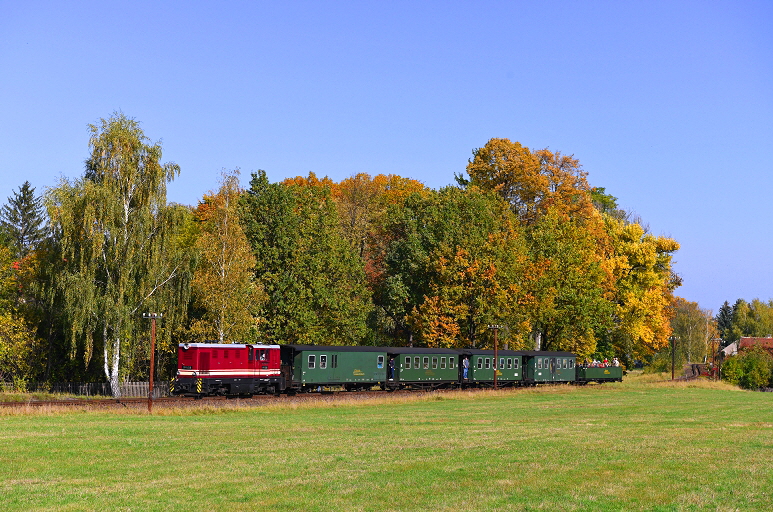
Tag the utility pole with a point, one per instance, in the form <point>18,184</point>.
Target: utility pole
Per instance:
<point>673,355</point>
<point>714,357</point>
<point>153,317</point>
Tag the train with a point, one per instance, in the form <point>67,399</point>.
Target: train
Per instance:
<point>219,369</point>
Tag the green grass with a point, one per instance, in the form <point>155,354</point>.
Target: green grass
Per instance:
<point>639,445</point>
<point>17,396</point>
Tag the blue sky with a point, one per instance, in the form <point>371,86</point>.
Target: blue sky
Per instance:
<point>669,105</point>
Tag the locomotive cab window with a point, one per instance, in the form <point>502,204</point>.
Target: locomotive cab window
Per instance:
<point>380,362</point>
<point>263,355</point>
<point>407,362</point>
<point>322,362</point>
<point>312,361</point>
<point>249,354</point>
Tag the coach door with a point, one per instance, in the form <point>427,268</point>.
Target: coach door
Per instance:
<point>552,368</point>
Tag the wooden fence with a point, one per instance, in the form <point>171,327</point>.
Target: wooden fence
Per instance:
<point>128,389</point>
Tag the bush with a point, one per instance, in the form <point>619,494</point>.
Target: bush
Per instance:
<point>750,369</point>
<point>661,362</point>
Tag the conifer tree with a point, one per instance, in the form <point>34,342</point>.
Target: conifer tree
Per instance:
<point>23,219</point>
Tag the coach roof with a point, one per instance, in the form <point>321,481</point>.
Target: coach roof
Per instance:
<point>334,348</point>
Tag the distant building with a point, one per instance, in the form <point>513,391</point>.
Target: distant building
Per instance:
<point>766,343</point>
<point>729,350</point>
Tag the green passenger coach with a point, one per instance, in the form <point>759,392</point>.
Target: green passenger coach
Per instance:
<point>544,367</point>
<point>422,368</point>
<point>482,365</point>
<point>310,367</point>
<point>599,374</point>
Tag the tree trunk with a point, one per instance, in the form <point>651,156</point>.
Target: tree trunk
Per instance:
<point>112,373</point>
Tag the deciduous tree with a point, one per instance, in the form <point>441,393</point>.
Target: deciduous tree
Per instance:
<point>455,262</point>
<point>643,291</point>
<point>572,306</point>
<point>224,284</point>
<point>314,279</point>
<point>116,242</point>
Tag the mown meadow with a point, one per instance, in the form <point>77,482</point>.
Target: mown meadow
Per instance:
<point>639,445</point>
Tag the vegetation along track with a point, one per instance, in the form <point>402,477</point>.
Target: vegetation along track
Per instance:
<point>216,401</point>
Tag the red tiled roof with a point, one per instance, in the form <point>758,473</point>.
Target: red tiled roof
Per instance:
<point>766,343</point>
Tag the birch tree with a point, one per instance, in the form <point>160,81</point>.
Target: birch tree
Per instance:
<point>224,285</point>
<point>119,252</point>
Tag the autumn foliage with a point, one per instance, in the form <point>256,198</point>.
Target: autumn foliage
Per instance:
<point>522,241</point>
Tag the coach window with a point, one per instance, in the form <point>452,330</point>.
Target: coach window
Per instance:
<point>407,362</point>
<point>434,363</point>
<point>416,364</point>
<point>566,363</point>
<point>515,363</point>
<point>480,363</point>
<point>442,363</point>
<point>501,363</point>
<point>312,361</point>
<point>509,363</point>
<point>488,363</point>
<point>426,362</point>
<point>334,362</point>
<point>451,363</point>
<point>380,362</point>
<point>539,363</point>
<point>571,363</point>
<point>322,362</point>
<point>546,363</point>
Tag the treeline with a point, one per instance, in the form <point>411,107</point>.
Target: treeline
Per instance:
<point>521,241</point>
<point>744,318</point>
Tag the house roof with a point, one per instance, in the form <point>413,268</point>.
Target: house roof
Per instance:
<point>766,343</point>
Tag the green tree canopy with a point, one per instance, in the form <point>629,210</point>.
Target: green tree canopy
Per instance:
<point>313,277</point>
<point>224,286</point>
<point>116,242</point>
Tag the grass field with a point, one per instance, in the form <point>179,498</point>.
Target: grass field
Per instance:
<point>638,445</point>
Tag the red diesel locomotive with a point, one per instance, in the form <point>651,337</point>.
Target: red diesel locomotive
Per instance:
<point>232,369</point>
